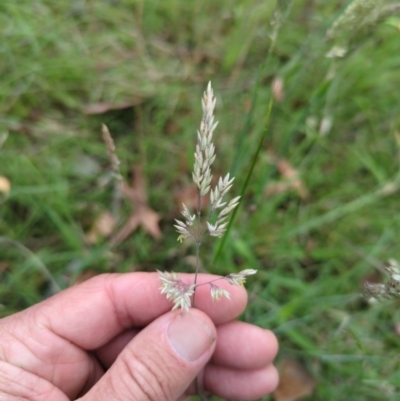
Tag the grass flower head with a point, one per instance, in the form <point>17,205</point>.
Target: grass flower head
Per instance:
<point>191,226</point>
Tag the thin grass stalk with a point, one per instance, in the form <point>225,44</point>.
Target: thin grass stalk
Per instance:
<point>387,189</point>
<point>279,18</point>
<point>278,24</point>
<point>247,180</point>
<point>42,267</point>
<point>114,165</point>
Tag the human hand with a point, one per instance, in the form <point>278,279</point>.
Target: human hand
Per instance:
<point>113,338</point>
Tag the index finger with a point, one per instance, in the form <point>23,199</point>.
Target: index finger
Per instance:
<point>92,313</point>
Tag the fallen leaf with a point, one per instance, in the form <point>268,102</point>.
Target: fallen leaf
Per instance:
<point>397,329</point>
<point>102,228</point>
<point>295,381</point>
<point>4,266</point>
<point>276,188</point>
<point>86,275</point>
<point>189,196</point>
<point>277,89</point>
<point>142,214</point>
<point>291,181</point>
<point>371,278</point>
<point>5,186</point>
<point>100,108</point>
<point>310,245</point>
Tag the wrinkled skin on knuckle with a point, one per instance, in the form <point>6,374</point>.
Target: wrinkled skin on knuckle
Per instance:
<point>146,375</point>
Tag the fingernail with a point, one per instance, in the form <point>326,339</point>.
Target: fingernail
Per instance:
<point>190,336</point>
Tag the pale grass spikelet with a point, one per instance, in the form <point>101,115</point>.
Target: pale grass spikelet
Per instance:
<point>217,293</point>
<point>393,268</point>
<point>231,205</point>
<point>357,14</point>
<point>171,285</point>
<point>239,278</point>
<point>186,214</point>
<point>182,229</point>
<point>223,186</point>
<point>178,292</point>
<point>215,230</point>
<point>216,199</point>
<point>388,290</point>
<point>336,52</point>
<point>375,291</point>
<point>205,150</point>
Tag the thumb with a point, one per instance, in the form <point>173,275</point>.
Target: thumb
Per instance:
<point>160,362</point>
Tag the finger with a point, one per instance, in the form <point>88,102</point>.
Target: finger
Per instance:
<point>18,384</point>
<point>92,313</point>
<point>161,361</point>
<point>88,316</point>
<point>240,384</point>
<point>27,343</point>
<point>239,345</point>
<point>108,353</point>
<point>244,346</point>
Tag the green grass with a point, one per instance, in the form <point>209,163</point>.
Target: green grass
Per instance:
<point>313,255</point>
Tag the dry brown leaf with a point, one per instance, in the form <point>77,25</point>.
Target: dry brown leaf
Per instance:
<point>100,108</point>
<point>86,275</point>
<point>291,181</point>
<point>5,185</point>
<point>276,188</point>
<point>102,228</point>
<point>277,89</point>
<point>310,245</point>
<point>189,196</point>
<point>295,381</point>
<point>142,214</point>
<point>149,220</point>
<point>4,266</point>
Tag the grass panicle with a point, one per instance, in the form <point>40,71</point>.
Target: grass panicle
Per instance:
<point>175,290</point>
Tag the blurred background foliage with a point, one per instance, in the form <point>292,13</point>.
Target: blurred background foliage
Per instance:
<point>320,215</point>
